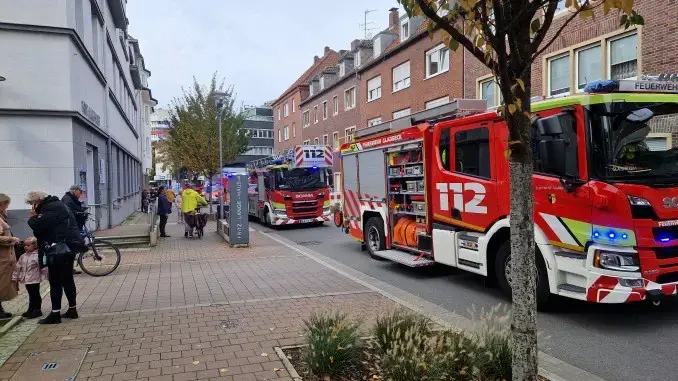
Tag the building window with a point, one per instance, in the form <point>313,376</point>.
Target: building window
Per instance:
<point>335,105</point>
<point>342,68</point>
<point>287,132</point>
<point>437,61</point>
<point>559,75</point>
<point>348,134</point>
<point>401,76</point>
<point>658,141</point>
<point>259,151</point>
<point>472,152</point>
<point>279,114</point>
<point>335,140</point>
<point>357,58</point>
<point>293,108</point>
<point>373,121</point>
<point>404,29</point>
<point>326,140</point>
<point>316,141</point>
<point>306,142</point>
<point>623,54</point>
<point>487,92</point>
<point>286,112</point>
<point>589,66</point>
<point>349,98</point>
<point>306,119</point>
<point>401,113</point>
<point>437,102</point>
<point>279,136</point>
<point>294,130</point>
<point>325,112</point>
<point>310,89</point>
<point>315,114</point>
<point>95,37</point>
<point>374,89</point>
<point>322,82</point>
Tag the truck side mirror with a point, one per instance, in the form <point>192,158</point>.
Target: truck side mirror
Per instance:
<point>552,125</point>
<point>552,154</point>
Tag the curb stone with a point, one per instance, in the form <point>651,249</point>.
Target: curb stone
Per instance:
<point>549,366</point>
<point>13,322</point>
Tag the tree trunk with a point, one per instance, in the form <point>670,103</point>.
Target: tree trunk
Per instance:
<point>523,273</point>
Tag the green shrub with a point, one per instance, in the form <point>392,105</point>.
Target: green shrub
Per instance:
<point>333,345</point>
<point>390,329</point>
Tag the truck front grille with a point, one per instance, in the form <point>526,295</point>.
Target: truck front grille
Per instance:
<point>666,252</point>
<point>304,207</point>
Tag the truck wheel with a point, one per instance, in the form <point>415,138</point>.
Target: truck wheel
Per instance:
<point>268,219</point>
<point>338,218</point>
<point>374,237</point>
<point>503,273</point>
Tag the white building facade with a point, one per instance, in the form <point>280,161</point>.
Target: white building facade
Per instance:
<point>147,103</point>
<point>160,125</point>
<point>70,110</point>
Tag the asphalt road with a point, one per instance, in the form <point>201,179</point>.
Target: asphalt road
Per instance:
<point>616,342</point>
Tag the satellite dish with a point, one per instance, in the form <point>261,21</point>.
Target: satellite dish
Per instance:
<point>2,78</point>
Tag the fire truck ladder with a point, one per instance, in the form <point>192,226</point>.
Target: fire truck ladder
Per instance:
<point>455,109</point>
<point>284,156</point>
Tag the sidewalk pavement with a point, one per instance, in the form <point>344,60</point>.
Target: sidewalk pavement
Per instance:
<point>196,309</point>
<point>136,224</point>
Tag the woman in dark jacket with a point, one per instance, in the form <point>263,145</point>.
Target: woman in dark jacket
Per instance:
<point>53,223</point>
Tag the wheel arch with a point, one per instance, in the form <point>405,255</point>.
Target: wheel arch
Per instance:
<point>500,232</point>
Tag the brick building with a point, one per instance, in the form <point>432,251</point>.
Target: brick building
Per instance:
<point>405,72</point>
<point>589,50</point>
<point>331,112</point>
<point>286,115</point>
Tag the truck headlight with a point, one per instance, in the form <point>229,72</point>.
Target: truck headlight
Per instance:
<point>637,201</point>
<point>616,261</point>
<point>326,210</point>
<point>280,212</point>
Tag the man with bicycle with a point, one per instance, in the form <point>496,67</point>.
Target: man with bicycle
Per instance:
<point>72,201</point>
<point>190,201</point>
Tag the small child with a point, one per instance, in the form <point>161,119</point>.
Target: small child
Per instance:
<point>28,272</point>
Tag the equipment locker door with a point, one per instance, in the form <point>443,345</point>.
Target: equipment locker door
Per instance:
<point>351,190</point>
<point>372,174</point>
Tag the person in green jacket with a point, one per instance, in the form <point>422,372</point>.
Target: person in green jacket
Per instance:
<point>190,200</point>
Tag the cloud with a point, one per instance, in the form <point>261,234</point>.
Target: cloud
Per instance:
<point>258,47</point>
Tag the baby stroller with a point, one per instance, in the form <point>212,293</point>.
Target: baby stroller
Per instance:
<point>197,221</point>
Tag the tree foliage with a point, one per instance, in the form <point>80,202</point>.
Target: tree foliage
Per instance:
<point>193,139</point>
<point>508,36</point>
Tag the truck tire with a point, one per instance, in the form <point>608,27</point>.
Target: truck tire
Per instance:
<point>338,218</point>
<point>502,269</point>
<point>268,218</point>
<point>374,237</point>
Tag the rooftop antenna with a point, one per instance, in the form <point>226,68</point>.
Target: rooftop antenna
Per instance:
<point>366,24</point>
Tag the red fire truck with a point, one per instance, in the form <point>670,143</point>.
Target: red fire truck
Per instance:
<point>434,188</point>
<point>292,188</point>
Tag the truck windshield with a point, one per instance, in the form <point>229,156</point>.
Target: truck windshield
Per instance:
<point>300,178</point>
<point>631,142</point>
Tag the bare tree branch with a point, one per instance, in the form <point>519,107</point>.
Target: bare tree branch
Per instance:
<point>548,20</point>
<point>454,33</point>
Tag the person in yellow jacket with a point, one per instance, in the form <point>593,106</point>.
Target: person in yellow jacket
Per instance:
<point>190,200</point>
<point>169,193</point>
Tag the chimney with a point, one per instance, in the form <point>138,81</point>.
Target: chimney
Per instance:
<point>354,44</point>
<point>393,17</point>
<point>327,50</point>
<point>316,59</point>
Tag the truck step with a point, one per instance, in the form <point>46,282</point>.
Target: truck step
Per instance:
<point>572,288</point>
<point>406,259</point>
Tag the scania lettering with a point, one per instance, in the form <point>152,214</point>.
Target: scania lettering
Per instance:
<point>434,188</point>
<point>293,187</point>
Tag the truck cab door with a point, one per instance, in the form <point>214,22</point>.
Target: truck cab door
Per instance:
<point>464,181</point>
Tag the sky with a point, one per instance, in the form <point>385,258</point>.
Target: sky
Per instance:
<point>259,47</point>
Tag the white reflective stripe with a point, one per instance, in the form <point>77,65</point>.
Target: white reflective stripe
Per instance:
<point>618,295</point>
<point>563,235</point>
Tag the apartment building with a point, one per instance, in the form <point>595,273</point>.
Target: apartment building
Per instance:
<point>69,106</point>
<point>593,49</point>
<point>404,71</point>
<point>140,77</point>
<point>259,127</point>
<point>286,116</point>
<point>332,112</point>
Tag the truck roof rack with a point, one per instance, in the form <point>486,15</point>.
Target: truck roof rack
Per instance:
<point>455,109</point>
<point>283,156</point>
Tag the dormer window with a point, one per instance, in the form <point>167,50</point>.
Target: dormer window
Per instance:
<point>310,89</point>
<point>342,68</point>
<point>404,29</point>
<point>376,46</point>
<point>322,83</point>
<point>357,59</point>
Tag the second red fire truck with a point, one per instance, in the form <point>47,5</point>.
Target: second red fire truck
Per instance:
<point>292,188</point>
<point>434,188</point>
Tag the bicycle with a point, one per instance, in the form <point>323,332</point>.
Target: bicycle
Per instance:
<point>100,257</point>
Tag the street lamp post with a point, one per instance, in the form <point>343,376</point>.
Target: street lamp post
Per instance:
<point>219,102</point>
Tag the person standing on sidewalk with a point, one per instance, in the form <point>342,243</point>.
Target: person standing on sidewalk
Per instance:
<point>29,273</point>
<point>164,210</point>
<point>72,200</point>
<point>8,290</point>
<point>59,239</point>
<point>190,200</point>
